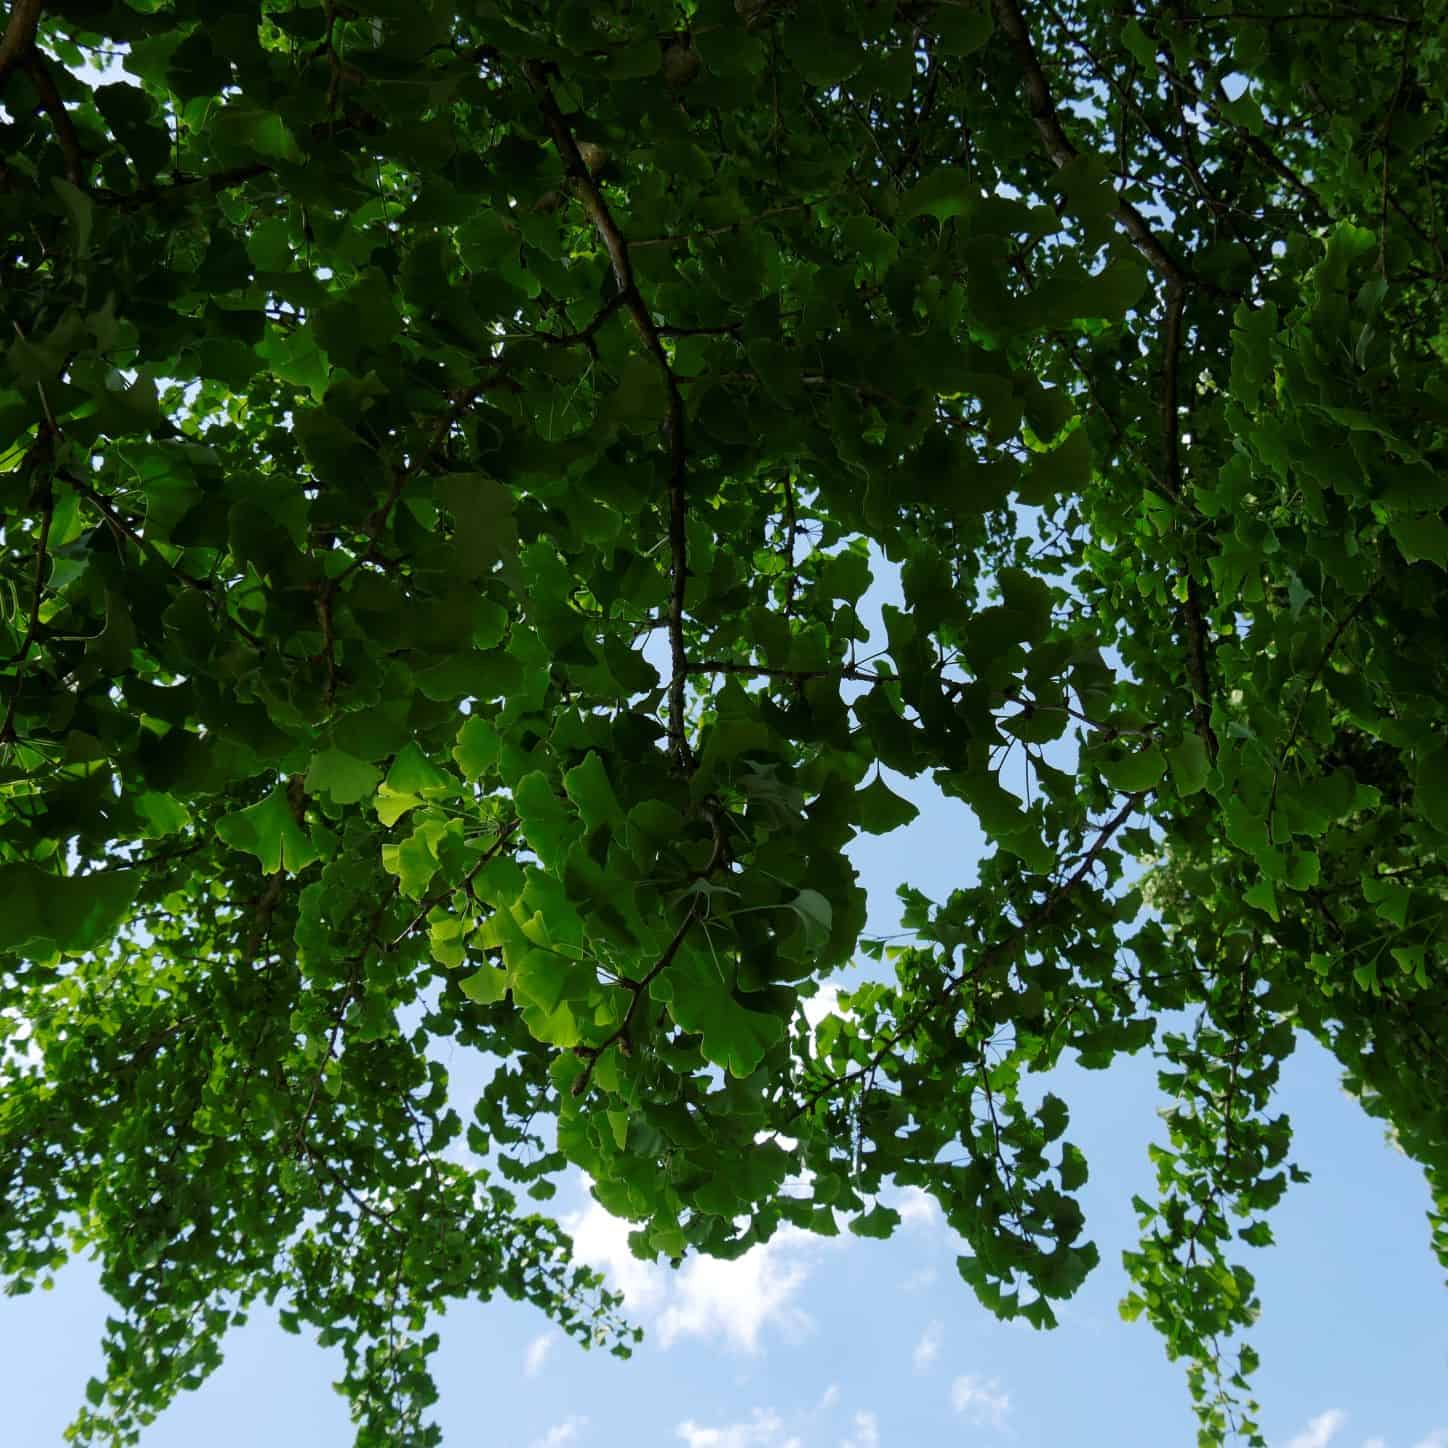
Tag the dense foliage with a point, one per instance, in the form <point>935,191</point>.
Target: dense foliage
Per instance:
<point>447,448</point>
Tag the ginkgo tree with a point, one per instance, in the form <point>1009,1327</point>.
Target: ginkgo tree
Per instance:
<point>447,444</point>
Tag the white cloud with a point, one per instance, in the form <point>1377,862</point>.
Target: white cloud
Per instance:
<point>867,1431</point>
<point>764,1430</point>
<point>916,1208</point>
<point>601,1239</point>
<point>1438,1438</point>
<point>928,1348</point>
<point>707,1297</point>
<point>1375,1443</point>
<point>561,1434</point>
<point>982,1399</point>
<point>1320,1431</point>
<point>734,1300</point>
<point>828,1398</point>
<point>918,1281</point>
<point>537,1353</point>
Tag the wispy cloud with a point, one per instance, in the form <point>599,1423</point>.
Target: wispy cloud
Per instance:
<point>928,1348</point>
<point>764,1430</point>
<point>537,1353</point>
<point>562,1434</point>
<point>1438,1438</point>
<point>1320,1431</point>
<point>867,1431</point>
<point>980,1399</point>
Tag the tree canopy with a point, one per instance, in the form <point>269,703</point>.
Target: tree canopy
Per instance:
<point>447,446</point>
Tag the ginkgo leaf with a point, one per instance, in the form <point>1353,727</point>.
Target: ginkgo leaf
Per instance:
<point>271,831</point>
<point>343,776</point>
<point>879,809</point>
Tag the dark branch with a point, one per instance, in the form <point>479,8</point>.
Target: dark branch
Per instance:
<point>632,299</point>
<point>1059,146</point>
<point>19,37</point>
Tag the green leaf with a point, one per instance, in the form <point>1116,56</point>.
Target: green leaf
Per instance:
<point>1422,539</point>
<point>413,772</point>
<point>1135,772</point>
<point>1066,467</point>
<point>944,193</point>
<point>1189,764</point>
<point>961,30</point>
<point>343,776</point>
<point>65,913</point>
<point>271,831</point>
<point>1140,45</point>
<point>641,398</point>
<point>816,915</point>
<point>476,751</point>
<point>733,1036</point>
<point>822,51</point>
<point>81,210</point>
<point>1263,896</point>
<point>1430,789</point>
<point>879,809</point>
<point>587,785</point>
<point>550,827</point>
<point>879,1222</point>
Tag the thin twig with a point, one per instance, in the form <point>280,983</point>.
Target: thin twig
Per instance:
<point>438,896</point>
<point>989,956</point>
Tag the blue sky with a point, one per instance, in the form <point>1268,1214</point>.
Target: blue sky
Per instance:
<point>848,1343</point>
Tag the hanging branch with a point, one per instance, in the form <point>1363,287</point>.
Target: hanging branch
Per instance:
<point>1193,613</point>
<point>953,984</point>
<point>632,301</point>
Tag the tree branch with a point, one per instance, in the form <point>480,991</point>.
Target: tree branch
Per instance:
<point>19,35</point>
<point>632,300</point>
<point>65,132</point>
<point>1061,149</point>
<point>619,1036</point>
